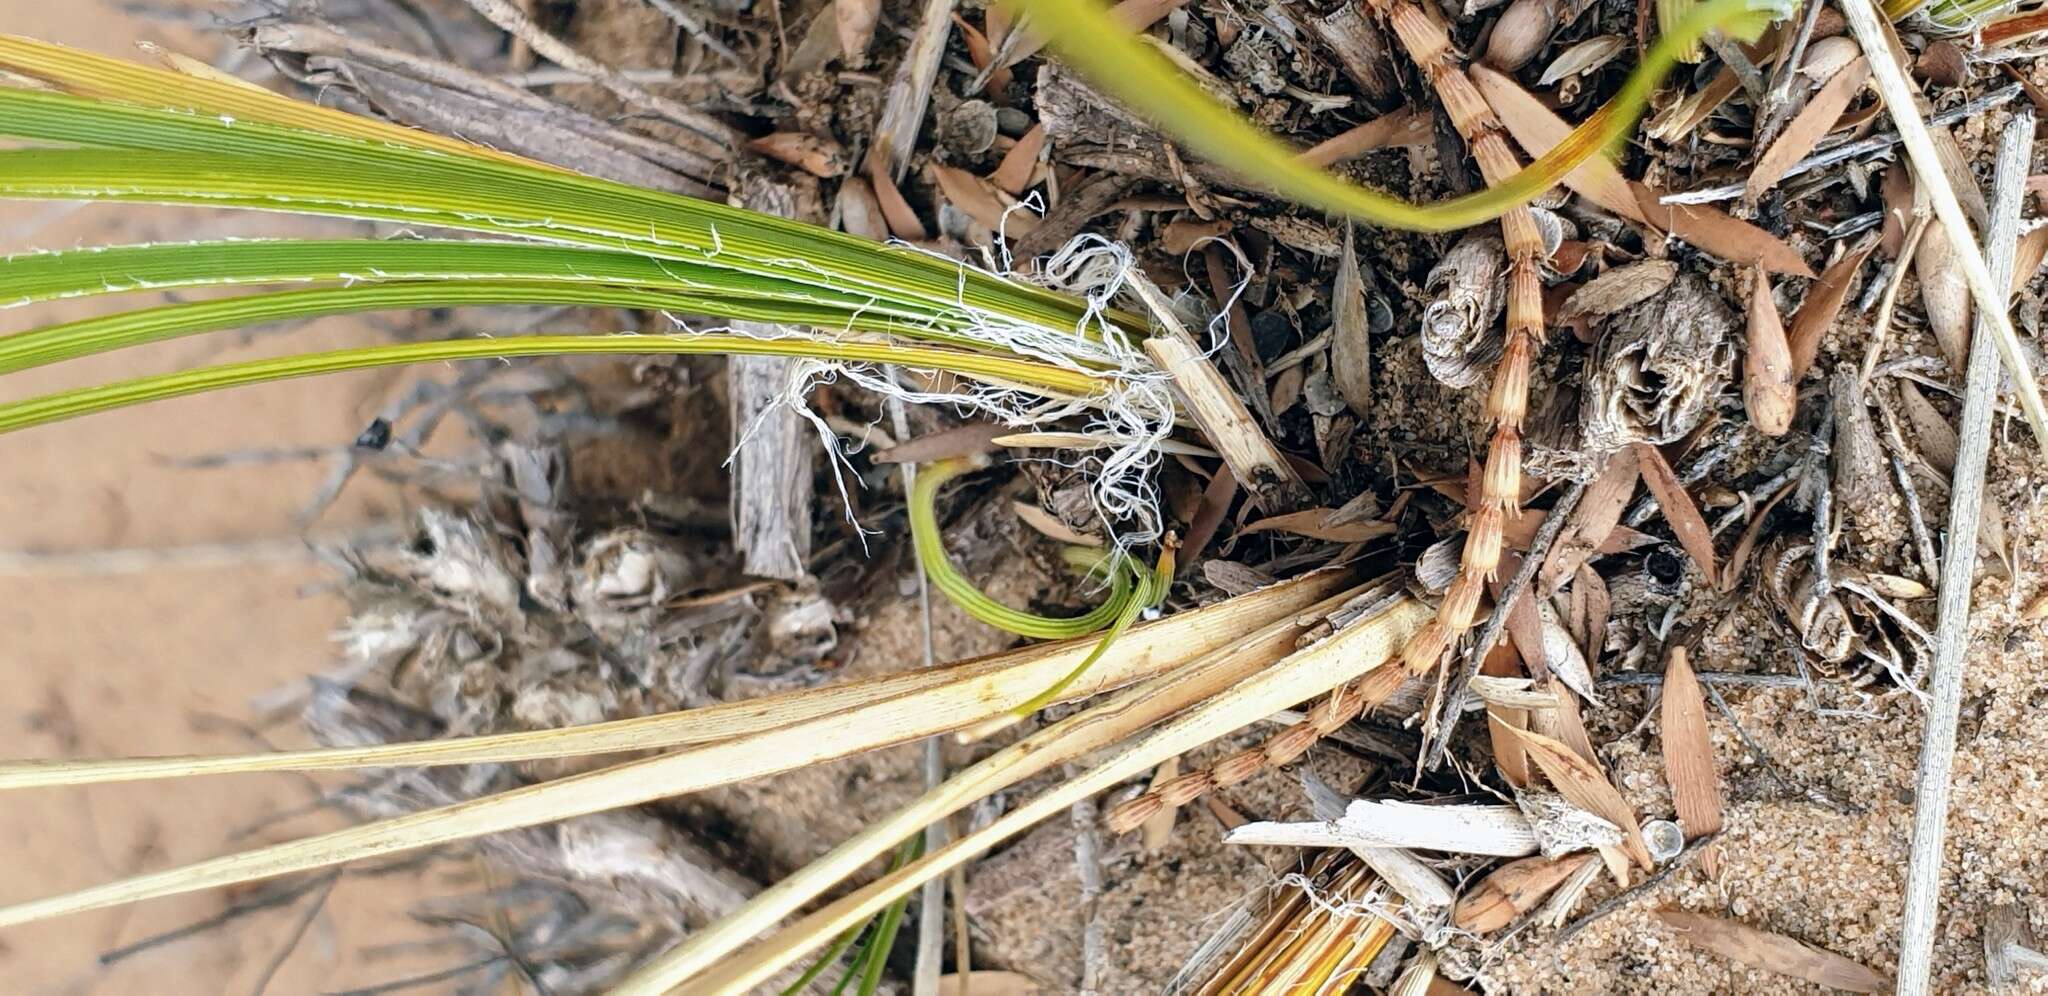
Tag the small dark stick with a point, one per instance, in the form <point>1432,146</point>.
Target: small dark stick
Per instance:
<point>1437,744</point>
<point>1630,895</point>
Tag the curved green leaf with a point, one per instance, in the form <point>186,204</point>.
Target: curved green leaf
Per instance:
<point>1123,66</point>
<point>1002,371</point>
<point>86,337</point>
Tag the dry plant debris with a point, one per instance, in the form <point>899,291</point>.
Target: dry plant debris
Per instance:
<point>1756,310</point>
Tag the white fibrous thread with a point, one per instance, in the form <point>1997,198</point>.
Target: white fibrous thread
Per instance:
<point>1134,416</point>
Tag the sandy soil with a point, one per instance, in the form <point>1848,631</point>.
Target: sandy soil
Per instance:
<point>103,660</point>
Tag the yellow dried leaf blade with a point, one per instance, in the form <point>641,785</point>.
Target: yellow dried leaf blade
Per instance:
<point>1361,647</point>
<point>90,74</point>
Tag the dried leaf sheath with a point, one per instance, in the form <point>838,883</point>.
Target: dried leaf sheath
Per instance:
<point>1500,487</point>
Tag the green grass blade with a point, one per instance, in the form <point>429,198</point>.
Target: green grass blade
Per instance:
<point>106,78</point>
<point>45,276</point>
<point>931,552</point>
<point>204,160</point>
<point>1086,37</point>
<point>1004,371</point>
<point>875,956</point>
<point>54,343</point>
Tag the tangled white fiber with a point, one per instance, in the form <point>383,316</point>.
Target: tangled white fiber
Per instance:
<point>1132,418</point>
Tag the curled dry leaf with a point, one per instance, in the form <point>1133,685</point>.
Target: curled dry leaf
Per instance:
<point>1826,57</point>
<point>959,441</point>
<point>1935,438</point>
<point>855,21</point>
<point>1537,129</point>
<point>980,200</point>
<point>1185,235</point>
<point>982,54</point>
<point>1942,63</point>
<point>1350,325</point>
<point>1050,526</point>
<point>1678,506</point>
<point>1583,783</point>
<point>1512,890</point>
<point>1522,31</point>
<point>1682,118</point>
<point>1520,532</point>
<point>1689,754</point>
<point>902,221</point>
<point>1773,952</point>
<point>1396,128</point>
<point>1315,523</point>
<point>1019,167</point>
<point>813,154</point>
<point>1812,124</point>
<point>1822,305</point>
<point>2027,257</point>
<point>1745,545</point>
<point>1619,288</point>
<point>1945,295</point>
<point>1562,657</point>
<point>1502,662</point>
<point>1770,396</point>
<point>1721,234</point>
<point>1587,611</point>
<point>859,212</point>
<point>1899,205</point>
<point>1582,58</point>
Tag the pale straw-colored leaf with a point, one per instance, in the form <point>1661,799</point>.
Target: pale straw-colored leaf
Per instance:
<point>1184,634</point>
<point>823,738</point>
<point>1363,645</point>
<point>1069,739</point>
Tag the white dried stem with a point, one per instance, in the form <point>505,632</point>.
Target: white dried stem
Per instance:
<point>1959,565</point>
<point>1990,294</point>
<point>1495,830</point>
